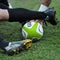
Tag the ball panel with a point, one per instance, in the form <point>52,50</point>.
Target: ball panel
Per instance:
<point>29,24</point>
<point>24,33</point>
<point>32,30</point>
<point>39,29</point>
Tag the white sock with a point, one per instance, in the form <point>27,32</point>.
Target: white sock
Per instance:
<point>43,8</point>
<point>10,6</point>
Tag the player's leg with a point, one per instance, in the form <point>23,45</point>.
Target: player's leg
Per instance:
<point>44,5</point>
<point>46,2</point>
<point>22,15</point>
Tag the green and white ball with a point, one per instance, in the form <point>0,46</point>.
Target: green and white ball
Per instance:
<point>32,30</point>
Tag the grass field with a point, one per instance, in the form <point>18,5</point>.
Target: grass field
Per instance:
<point>48,48</point>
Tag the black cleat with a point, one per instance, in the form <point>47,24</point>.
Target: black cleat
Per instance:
<point>51,16</point>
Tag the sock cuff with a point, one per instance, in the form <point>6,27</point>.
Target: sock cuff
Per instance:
<point>43,8</point>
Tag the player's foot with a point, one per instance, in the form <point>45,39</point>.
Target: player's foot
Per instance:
<point>16,47</point>
<point>51,16</point>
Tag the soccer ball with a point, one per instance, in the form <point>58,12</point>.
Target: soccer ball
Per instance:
<point>32,29</point>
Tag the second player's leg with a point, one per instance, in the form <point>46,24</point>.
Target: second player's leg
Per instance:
<point>46,2</point>
<point>44,5</point>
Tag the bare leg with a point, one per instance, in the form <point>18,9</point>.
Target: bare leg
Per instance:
<point>4,15</point>
<point>45,4</point>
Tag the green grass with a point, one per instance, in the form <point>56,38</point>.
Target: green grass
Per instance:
<point>48,48</point>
